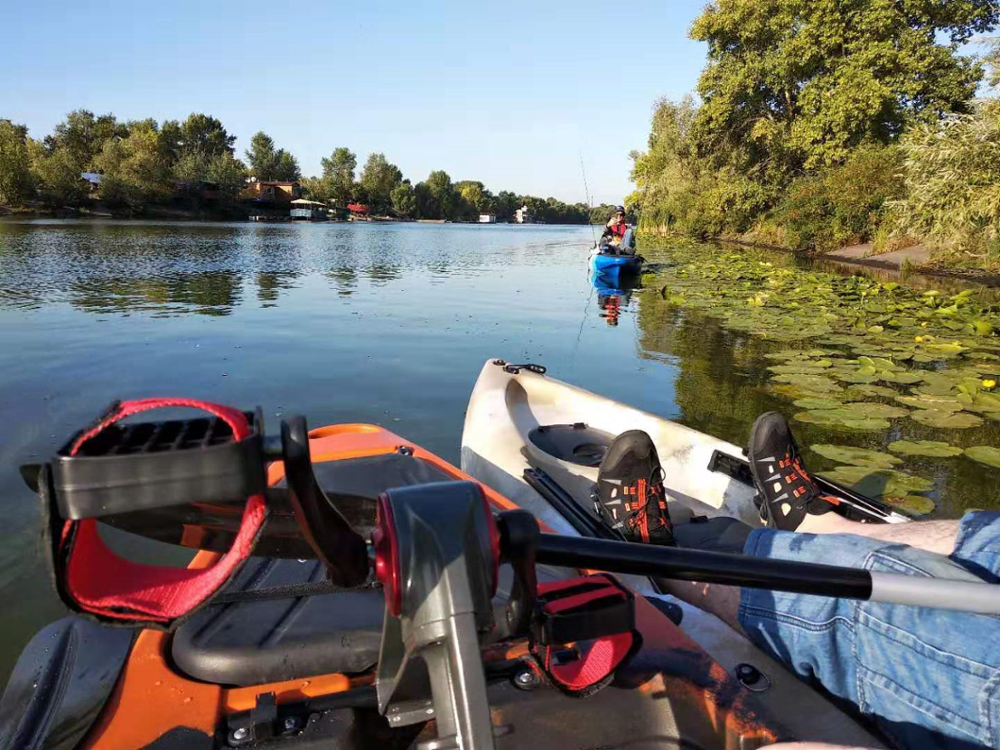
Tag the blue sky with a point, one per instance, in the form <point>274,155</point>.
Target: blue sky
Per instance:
<point>508,93</point>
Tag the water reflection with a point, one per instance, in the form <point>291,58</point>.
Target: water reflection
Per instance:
<point>270,284</point>
<point>613,295</point>
<point>723,385</point>
<point>202,293</point>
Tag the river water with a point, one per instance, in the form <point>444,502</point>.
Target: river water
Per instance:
<point>384,323</point>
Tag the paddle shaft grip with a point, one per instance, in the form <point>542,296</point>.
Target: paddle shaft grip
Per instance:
<point>775,575</point>
<point>707,567</point>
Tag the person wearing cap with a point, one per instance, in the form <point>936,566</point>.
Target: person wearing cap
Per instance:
<point>615,229</point>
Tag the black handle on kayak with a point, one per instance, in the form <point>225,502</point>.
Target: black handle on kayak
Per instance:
<point>342,549</point>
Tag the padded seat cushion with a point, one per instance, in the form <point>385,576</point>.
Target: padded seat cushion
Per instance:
<point>270,640</point>
<point>274,639</point>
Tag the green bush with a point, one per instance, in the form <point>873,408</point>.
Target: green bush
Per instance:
<point>953,185</point>
<point>842,205</point>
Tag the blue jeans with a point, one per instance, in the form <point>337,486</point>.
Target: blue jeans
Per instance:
<point>925,677</point>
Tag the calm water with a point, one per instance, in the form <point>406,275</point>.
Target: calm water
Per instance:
<point>378,323</point>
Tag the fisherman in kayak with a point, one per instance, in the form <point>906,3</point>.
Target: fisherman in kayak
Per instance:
<point>614,233</point>
<point>925,678</point>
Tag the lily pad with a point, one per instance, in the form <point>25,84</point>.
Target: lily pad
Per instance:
<point>945,420</point>
<point>874,390</point>
<point>849,454</point>
<point>802,367</point>
<point>937,403</point>
<point>817,403</point>
<point>841,418</point>
<point>862,376</point>
<point>984,454</point>
<point>914,505</point>
<point>878,482</point>
<point>931,448</point>
<point>817,383</point>
<point>935,389</point>
<point>906,378</point>
<point>872,409</point>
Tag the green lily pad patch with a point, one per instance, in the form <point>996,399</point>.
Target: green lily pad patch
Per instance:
<point>913,505</point>
<point>838,418</point>
<point>936,403</point>
<point>878,482</point>
<point>984,454</point>
<point>849,454</point>
<point>817,403</point>
<point>945,420</point>
<point>931,448</point>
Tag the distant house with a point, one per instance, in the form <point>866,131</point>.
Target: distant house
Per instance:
<point>93,180</point>
<point>487,218</point>
<point>524,215</point>
<point>272,191</point>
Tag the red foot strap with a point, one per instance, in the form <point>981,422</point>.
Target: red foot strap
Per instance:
<point>99,582</point>
<point>594,608</point>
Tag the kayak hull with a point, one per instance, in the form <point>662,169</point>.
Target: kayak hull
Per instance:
<point>613,266</point>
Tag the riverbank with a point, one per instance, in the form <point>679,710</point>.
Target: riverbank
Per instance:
<point>918,258</point>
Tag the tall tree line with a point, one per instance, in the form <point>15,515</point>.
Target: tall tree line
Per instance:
<point>144,162</point>
<point>821,123</point>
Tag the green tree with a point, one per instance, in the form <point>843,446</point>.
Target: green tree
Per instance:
<point>15,174</point>
<point>228,172</point>
<point>190,167</point>
<point>56,174</point>
<point>379,178</point>
<point>82,135</point>
<point>338,175</point>
<point>442,195</point>
<point>475,199</point>
<point>427,207</point>
<point>267,163</point>
<point>137,170</point>
<point>404,200</point>
<point>261,156</point>
<point>286,167</point>
<point>506,205</point>
<point>204,134</point>
<point>793,83</point>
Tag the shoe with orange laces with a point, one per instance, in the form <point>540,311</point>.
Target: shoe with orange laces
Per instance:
<point>786,491</point>
<point>630,495</point>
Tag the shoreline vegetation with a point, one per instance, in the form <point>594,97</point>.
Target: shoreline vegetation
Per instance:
<point>819,127</point>
<point>101,166</point>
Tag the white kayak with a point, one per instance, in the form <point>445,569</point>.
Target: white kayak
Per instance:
<point>539,441</point>
<point>519,419</point>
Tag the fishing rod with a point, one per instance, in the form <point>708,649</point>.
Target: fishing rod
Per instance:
<point>590,203</point>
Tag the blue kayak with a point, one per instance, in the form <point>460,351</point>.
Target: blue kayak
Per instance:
<point>608,265</point>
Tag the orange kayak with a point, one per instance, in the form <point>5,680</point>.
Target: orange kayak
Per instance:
<point>283,660</point>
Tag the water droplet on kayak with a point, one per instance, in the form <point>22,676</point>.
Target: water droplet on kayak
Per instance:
<point>158,683</point>
<point>188,699</point>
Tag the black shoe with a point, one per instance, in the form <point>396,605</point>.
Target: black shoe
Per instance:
<point>630,495</point>
<point>786,490</point>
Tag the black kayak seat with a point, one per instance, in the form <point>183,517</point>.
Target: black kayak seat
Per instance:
<point>285,634</point>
